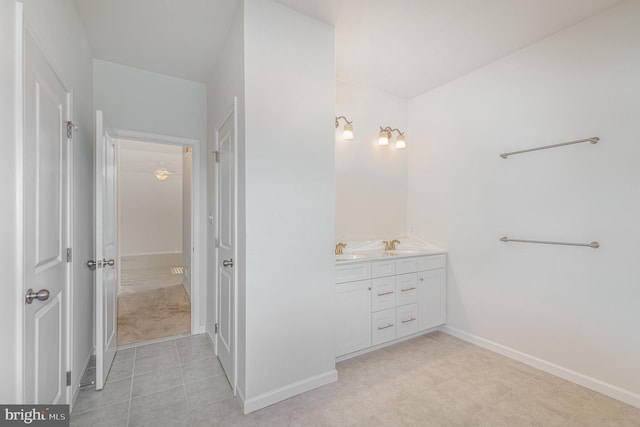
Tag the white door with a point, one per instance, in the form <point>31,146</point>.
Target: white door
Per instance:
<point>46,198</point>
<point>225,243</point>
<point>106,321</point>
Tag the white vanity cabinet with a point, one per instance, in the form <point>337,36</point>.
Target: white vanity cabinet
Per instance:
<point>353,298</point>
<point>384,300</point>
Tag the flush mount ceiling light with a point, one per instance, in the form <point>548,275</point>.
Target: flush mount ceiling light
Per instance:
<point>162,173</point>
<point>385,135</point>
<point>347,129</point>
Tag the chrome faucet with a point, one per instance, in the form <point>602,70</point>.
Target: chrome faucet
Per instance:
<point>390,245</point>
<point>339,247</point>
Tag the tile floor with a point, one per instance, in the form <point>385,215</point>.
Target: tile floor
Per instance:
<point>432,380</point>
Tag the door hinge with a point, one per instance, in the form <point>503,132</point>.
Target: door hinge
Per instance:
<point>70,128</point>
<point>216,156</point>
<point>216,328</point>
<point>68,378</point>
<point>68,254</point>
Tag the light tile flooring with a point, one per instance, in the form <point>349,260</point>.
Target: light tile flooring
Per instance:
<point>432,380</point>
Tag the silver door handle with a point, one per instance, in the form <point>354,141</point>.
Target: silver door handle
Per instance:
<point>93,264</point>
<point>227,263</point>
<point>385,327</point>
<point>41,295</point>
<point>385,293</point>
<point>111,262</point>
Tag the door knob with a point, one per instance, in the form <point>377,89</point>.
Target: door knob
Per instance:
<point>41,295</point>
<point>227,263</point>
<point>110,262</point>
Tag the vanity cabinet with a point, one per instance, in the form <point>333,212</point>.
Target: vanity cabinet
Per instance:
<point>381,301</point>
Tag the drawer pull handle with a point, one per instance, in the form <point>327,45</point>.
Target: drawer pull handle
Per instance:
<point>409,320</point>
<point>385,293</point>
<point>390,325</point>
<point>407,289</point>
<point>422,279</point>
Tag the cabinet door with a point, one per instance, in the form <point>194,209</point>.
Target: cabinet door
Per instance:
<point>406,289</point>
<point>383,296</point>
<point>383,326</point>
<point>432,294</point>
<point>353,317</point>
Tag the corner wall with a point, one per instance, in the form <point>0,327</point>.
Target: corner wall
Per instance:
<point>290,198</point>
<point>572,308</point>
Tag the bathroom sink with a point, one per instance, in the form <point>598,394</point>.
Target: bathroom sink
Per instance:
<point>350,257</point>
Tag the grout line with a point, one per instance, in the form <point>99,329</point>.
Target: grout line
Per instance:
<point>133,374</point>
<point>580,410</point>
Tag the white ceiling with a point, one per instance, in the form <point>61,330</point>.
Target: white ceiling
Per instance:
<point>403,47</point>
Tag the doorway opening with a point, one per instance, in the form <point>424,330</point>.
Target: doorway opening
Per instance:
<point>154,194</point>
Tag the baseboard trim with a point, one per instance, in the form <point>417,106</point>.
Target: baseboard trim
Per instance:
<point>282,393</point>
<point>76,386</point>
<point>610,390</point>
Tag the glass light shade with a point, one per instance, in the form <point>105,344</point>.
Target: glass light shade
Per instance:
<point>347,131</point>
<point>400,142</point>
<point>383,138</point>
<point>161,174</point>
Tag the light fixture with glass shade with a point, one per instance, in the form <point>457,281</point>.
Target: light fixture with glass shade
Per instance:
<point>385,135</point>
<point>162,172</point>
<point>347,129</point>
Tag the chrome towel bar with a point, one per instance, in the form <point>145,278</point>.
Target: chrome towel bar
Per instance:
<point>594,245</point>
<point>593,140</point>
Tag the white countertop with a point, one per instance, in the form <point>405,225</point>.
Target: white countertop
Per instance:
<point>367,251</point>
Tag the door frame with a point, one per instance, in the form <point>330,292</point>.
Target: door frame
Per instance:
<point>20,54</point>
<point>198,243</point>
<point>232,113</point>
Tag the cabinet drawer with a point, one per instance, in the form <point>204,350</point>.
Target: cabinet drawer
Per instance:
<point>406,265</point>
<point>383,268</point>
<point>383,326</point>
<point>406,320</point>
<point>406,289</point>
<point>383,294</point>
<point>353,272</point>
<point>431,262</point>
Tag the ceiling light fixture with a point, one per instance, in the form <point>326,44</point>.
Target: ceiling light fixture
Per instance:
<point>385,135</point>
<point>347,129</point>
<point>162,173</point>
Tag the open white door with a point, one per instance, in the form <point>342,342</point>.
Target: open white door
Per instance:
<point>46,237</point>
<point>225,244</point>
<point>106,321</point>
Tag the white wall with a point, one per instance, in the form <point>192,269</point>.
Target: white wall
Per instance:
<point>58,29</point>
<point>226,83</point>
<point>10,317</point>
<point>150,210</point>
<point>290,198</point>
<point>573,307</point>
<point>371,180</point>
<point>138,100</point>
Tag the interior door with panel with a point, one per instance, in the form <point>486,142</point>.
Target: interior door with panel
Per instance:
<point>225,244</point>
<point>106,291</point>
<point>46,238</point>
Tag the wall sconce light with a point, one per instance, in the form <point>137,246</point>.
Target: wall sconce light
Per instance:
<point>385,135</point>
<point>347,129</point>
<point>162,173</point>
